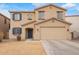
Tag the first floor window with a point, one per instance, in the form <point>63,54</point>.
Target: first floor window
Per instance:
<point>17,31</point>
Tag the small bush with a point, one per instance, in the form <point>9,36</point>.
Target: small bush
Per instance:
<point>0,40</point>
<point>18,38</point>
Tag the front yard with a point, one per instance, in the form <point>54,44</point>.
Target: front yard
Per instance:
<point>21,48</point>
<point>43,47</point>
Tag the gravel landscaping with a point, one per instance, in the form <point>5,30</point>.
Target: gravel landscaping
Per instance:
<point>21,48</point>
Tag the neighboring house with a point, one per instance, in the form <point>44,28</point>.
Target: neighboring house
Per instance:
<point>74,19</point>
<point>47,22</point>
<point>4,27</point>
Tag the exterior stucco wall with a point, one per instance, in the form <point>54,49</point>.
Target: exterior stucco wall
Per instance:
<point>19,23</point>
<point>13,24</point>
<point>25,17</point>
<point>49,12</point>
<point>1,35</point>
<point>52,24</point>
<point>4,26</point>
<point>69,35</point>
<point>24,30</point>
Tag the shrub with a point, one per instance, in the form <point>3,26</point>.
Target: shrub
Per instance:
<point>18,38</point>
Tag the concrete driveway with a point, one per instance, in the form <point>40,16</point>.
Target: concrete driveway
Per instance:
<point>61,47</point>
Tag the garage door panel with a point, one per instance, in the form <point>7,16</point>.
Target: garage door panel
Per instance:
<point>53,33</point>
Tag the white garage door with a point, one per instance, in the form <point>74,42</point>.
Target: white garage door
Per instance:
<point>53,33</point>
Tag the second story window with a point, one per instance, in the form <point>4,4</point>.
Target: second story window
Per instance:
<point>41,15</point>
<point>29,16</point>
<point>17,16</point>
<point>60,15</point>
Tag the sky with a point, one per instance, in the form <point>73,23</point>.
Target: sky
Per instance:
<point>72,8</point>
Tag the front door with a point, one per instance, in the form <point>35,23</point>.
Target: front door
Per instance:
<point>30,33</point>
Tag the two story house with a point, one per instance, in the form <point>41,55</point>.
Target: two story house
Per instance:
<point>4,27</point>
<point>46,22</point>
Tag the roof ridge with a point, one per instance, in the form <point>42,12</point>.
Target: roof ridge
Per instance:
<point>5,16</point>
<point>50,5</point>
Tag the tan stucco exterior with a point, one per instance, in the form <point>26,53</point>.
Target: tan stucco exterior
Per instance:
<point>50,12</point>
<point>55,27</point>
<point>4,26</point>
<point>40,26</point>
